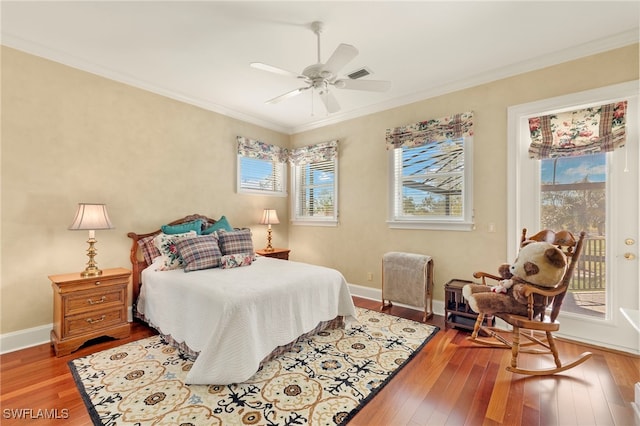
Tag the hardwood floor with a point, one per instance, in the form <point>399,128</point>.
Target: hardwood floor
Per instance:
<point>448,382</point>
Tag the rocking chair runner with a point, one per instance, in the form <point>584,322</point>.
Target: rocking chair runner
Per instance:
<point>530,326</point>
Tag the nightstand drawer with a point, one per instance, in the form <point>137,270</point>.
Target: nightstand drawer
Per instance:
<point>86,323</point>
<point>100,299</point>
<point>92,283</point>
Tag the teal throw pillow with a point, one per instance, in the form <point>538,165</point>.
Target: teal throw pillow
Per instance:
<point>195,225</point>
<point>222,223</point>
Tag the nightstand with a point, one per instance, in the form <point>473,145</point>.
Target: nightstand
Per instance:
<point>88,307</point>
<point>278,253</point>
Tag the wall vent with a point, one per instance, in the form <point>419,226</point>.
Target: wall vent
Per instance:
<point>362,72</point>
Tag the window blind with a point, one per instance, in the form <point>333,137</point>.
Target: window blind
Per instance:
<point>315,181</point>
<point>429,180</point>
<point>261,166</point>
<point>315,196</point>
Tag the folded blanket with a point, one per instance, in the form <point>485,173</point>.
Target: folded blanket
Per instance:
<point>405,278</point>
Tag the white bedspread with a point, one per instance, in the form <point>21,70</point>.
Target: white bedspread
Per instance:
<point>236,317</point>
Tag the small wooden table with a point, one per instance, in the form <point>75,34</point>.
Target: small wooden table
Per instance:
<point>457,310</point>
<point>277,253</point>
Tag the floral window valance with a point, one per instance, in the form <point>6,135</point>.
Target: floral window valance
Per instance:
<point>434,130</point>
<point>578,132</point>
<point>252,148</point>
<point>314,153</point>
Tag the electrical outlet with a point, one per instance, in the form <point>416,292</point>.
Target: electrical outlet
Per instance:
<point>369,276</point>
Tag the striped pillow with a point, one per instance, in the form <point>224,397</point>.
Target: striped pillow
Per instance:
<point>201,252</point>
<point>235,242</point>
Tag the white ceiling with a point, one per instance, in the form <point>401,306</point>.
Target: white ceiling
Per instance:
<point>199,52</point>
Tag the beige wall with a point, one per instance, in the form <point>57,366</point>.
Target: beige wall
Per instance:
<point>69,137</point>
<point>356,246</point>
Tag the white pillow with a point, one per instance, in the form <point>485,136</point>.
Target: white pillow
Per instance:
<point>156,264</point>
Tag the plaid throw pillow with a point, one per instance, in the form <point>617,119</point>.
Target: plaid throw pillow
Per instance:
<point>149,250</point>
<point>235,242</point>
<point>200,252</point>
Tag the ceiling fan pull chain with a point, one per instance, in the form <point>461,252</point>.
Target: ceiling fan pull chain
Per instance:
<point>313,113</point>
<point>326,97</point>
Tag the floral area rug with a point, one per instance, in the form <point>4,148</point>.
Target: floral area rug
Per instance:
<point>324,380</point>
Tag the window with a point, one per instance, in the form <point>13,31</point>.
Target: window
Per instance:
<point>314,172</point>
<point>431,174</point>
<point>261,175</point>
<point>261,168</point>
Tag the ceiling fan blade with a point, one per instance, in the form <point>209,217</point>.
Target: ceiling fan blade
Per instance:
<point>287,95</point>
<point>343,54</point>
<point>330,102</point>
<point>275,70</point>
<point>371,85</point>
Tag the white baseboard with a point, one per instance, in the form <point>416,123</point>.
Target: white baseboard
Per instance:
<point>376,294</point>
<point>22,339</point>
<point>29,337</point>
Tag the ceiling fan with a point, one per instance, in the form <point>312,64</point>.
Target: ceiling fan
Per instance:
<point>321,76</point>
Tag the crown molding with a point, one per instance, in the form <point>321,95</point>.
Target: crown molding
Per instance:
<point>586,49</point>
<point>565,55</point>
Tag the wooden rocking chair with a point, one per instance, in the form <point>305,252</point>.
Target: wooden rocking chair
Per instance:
<point>537,330</point>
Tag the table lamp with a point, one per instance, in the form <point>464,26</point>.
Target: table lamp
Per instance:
<point>269,217</point>
<point>91,217</point>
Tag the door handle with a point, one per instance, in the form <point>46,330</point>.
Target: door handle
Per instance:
<point>629,256</point>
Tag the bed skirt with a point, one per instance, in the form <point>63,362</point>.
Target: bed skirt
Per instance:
<point>191,355</point>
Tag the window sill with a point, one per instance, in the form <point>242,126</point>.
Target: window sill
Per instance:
<point>303,222</point>
<point>266,193</point>
<point>436,226</point>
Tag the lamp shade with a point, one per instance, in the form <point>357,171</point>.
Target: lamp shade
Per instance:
<point>90,217</point>
<point>269,217</point>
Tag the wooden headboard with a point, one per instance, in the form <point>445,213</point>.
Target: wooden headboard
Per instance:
<point>138,263</point>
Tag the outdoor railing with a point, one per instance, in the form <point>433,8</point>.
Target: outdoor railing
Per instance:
<point>590,274</point>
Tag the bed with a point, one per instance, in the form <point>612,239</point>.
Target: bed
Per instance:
<point>233,317</point>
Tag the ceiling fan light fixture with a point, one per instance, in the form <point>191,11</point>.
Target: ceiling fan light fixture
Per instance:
<point>326,74</point>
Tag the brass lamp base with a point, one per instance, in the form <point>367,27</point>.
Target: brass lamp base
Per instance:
<point>91,272</point>
<point>269,247</point>
<point>92,268</point>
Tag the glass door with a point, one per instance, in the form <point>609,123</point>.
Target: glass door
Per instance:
<point>573,196</point>
<point>597,193</point>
